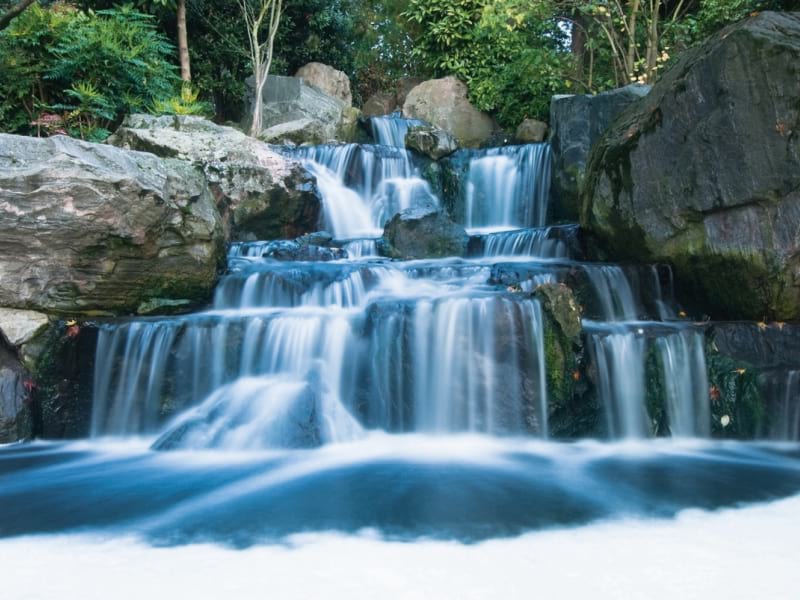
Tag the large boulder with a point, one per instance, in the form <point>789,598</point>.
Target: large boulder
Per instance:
<point>576,123</point>
<point>424,233</point>
<point>299,113</point>
<point>444,103</point>
<point>91,228</point>
<point>260,193</point>
<point>704,172</point>
<point>328,80</point>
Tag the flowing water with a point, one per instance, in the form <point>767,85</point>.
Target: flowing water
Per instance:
<point>378,405</point>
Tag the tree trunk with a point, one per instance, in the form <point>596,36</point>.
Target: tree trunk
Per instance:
<point>578,44</point>
<point>14,12</point>
<point>259,79</point>
<point>183,42</point>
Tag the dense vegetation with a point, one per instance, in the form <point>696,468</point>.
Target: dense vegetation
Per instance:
<point>78,67</point>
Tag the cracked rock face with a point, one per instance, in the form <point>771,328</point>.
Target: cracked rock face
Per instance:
<point>704,172</point>
<point>89,228</point>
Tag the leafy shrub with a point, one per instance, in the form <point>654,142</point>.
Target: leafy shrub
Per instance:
<point>86,69</point>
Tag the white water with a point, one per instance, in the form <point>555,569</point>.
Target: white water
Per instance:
<point>734,554</point>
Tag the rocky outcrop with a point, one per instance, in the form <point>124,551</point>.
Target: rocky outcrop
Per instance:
<point>444,103</point>
<point>90,228</point>
<point>531,131</point>
<point>576,123</point>
<point>298,113</point>
<point>430,141</point>
<point>328,80</point>
<point>424,233</point>
<point>705,173</point>
<point>260,194</point>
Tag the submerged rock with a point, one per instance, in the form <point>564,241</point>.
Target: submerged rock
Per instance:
<point>576,123</point>
<point>425,233</point>
<point>444,103</point>
<point>93,228</point>
<point>260,193</point>
<point>328,80</point>
<point>705,173</point>
<point>430,141</point>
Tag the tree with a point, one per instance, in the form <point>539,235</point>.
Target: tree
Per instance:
<point>259,14</point>
<point>183,42</point>
<point>14,11</point>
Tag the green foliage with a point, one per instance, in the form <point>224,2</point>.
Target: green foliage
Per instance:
<point>78,73</point>
<point>186,103</point>
<point>511,53</point>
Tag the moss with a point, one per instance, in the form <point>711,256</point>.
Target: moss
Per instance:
<point>655,392</point>
<point>730,287</point>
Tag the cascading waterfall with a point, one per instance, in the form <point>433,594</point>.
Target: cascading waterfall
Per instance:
<point>507,188</point>
<point>391,130</point>
<point>302,354</point>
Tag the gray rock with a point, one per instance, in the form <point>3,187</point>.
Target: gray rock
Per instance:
<point>260,193</point>
<point>380,104</point>
<point>531,131</point>
<point>13,395</point>
<point>576,123</point>
<point>328,80</point>
<point>431,142</point>
<point>21,326</point>
<point>705,173</point>
<point>92,228</point>
<point>424,233</point>
<point>297,112</point>
<point>403,88</point>
<point>444,103</point>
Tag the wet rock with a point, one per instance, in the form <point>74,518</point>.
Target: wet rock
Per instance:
<point>328,80</point>
<point>444,104</point>
<point>260,193</point>
<point>425,233</point>
<point>577,122</point>
<point>704,172</point>
<point>298,113</point>
<point>531,131</point>
<point>93,228</point>
<point>430,141</point>
<point>14,396</point>
<point>558,300</point>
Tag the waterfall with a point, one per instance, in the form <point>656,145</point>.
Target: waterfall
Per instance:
<point>391,130</point>
<point>530,243</point>
<point>686,383</point>
<point>362,187</point>
<point>507,188</point>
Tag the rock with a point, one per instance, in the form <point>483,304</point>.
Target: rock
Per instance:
<point>425,233</point>
<point>577,122</point>
<point>380,104</point>
<point>403,88</point>
<point>328,80</point>
<point>14,396</point>
<point>560,303</point>
<point>260,194</point>
<point>704,172</point>
<point>21,326</point>
<point>92,228</point>
<point>444,104</point>
<point>349,124</point>
<point>297,112</point>
<point>431,142</point>
<point>531,131</point>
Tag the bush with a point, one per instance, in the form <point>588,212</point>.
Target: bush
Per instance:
<point>66,71</point>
